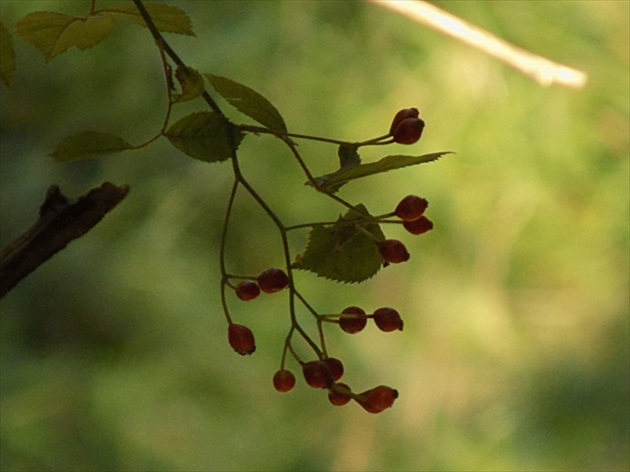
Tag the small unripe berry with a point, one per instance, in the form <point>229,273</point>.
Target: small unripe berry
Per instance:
<point>273,280</point>
<point>354,324</point>
<point>408,131</point>
<point>335,367</point>
<point>284,380</point>
<point>317,374</point>
<point>241,339</point>
<point>337,397</point>
<point>411,208</point>
<point>402,115</point>
<point>393,251</point>
<point>247,290</point>
<point>377,399</point>
<point>387,319</point>
<point>419,226</point>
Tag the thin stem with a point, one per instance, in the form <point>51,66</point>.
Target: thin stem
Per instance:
<point>224,276</point>
<point>281,135</point>
<point>310,177</point>
<point>287,343</point>
<point>162,44</point>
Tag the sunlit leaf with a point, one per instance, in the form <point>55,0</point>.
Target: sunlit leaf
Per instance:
<point>332,182</point>
<point>345,251</point>
<point>249,102</point>
<point>167,18</point>
<point>88,145</point>
<point>191,82</point>
<point>54,33</point>
<point>204,135</point>
<point>7,55</point>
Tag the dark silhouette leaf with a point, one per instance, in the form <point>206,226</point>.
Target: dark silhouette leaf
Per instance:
<point>204,136</point>
<point>88,145</point>
<point>249,102</point>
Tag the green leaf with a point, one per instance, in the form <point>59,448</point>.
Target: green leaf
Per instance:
<point>204,136</point>
<point>332,182</point>
<point>249,102</point>
<point>348,156</point>
<point>88,145</point>
<point>54,33</point>
<point>7,55</point>
<point>344,252</point>
<point>166,18</point>
<point>191,82</point>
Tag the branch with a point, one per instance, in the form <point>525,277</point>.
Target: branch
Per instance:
<point>59,223</point>
<point>544,71</point>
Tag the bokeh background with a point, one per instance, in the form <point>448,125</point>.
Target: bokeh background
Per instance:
<point>515,353</point>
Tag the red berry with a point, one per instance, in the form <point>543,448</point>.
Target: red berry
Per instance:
<point>241,339</point>
<point>283,380</point>
<point>419,226</point>
<point>247,290</point>
<point>402,115</point>
<point>273,280</point>
<point>388,319</point>
<point>377,399</point>
<point>335,367</point>
<point>411,208</point>
<point>408,131</point>
<point>317,374</point>
<point>354,324</point>
<point>393,251</point>
<point>337,397</point>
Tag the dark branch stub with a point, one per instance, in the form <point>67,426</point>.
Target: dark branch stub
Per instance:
<point>58,224</point>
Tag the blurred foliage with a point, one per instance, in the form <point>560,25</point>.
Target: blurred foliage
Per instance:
<point>515,355</point>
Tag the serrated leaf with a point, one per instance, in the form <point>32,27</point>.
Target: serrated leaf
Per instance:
<point>344,252</point>
<point>249,102</point>
<point>167,18</point>
<point>204,136</point>
<point>54,33</point>
<point>7,55</point>
<point>88,145</point>
<point>332,182</point>
<point>191,82</point>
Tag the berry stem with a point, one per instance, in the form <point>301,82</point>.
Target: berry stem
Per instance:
<point>224,232</point>
<point>283,136</point>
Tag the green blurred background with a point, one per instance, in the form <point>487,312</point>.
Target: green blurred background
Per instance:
<point>515,354</point>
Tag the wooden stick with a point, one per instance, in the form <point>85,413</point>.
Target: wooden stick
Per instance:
<point>59,223</point>
<point>544,71</point>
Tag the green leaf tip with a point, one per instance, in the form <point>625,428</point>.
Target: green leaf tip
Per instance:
<point>205,136</point>
<point>88,145</point>
<point>346,251</point>
<point>332,182</point>
<point>191,83</point>
<point>248,102</point>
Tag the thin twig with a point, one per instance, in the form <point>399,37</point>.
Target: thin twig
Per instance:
<point>542,70</point>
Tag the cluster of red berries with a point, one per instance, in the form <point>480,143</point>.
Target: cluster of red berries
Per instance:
<point>270,281</point>
<point>406,127</point>
<point>325,372</point>
<point>353,319</point>
<point>411,211</point>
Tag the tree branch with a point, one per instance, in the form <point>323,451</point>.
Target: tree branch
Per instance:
<point>58,224</point>
<point>544,71</point>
